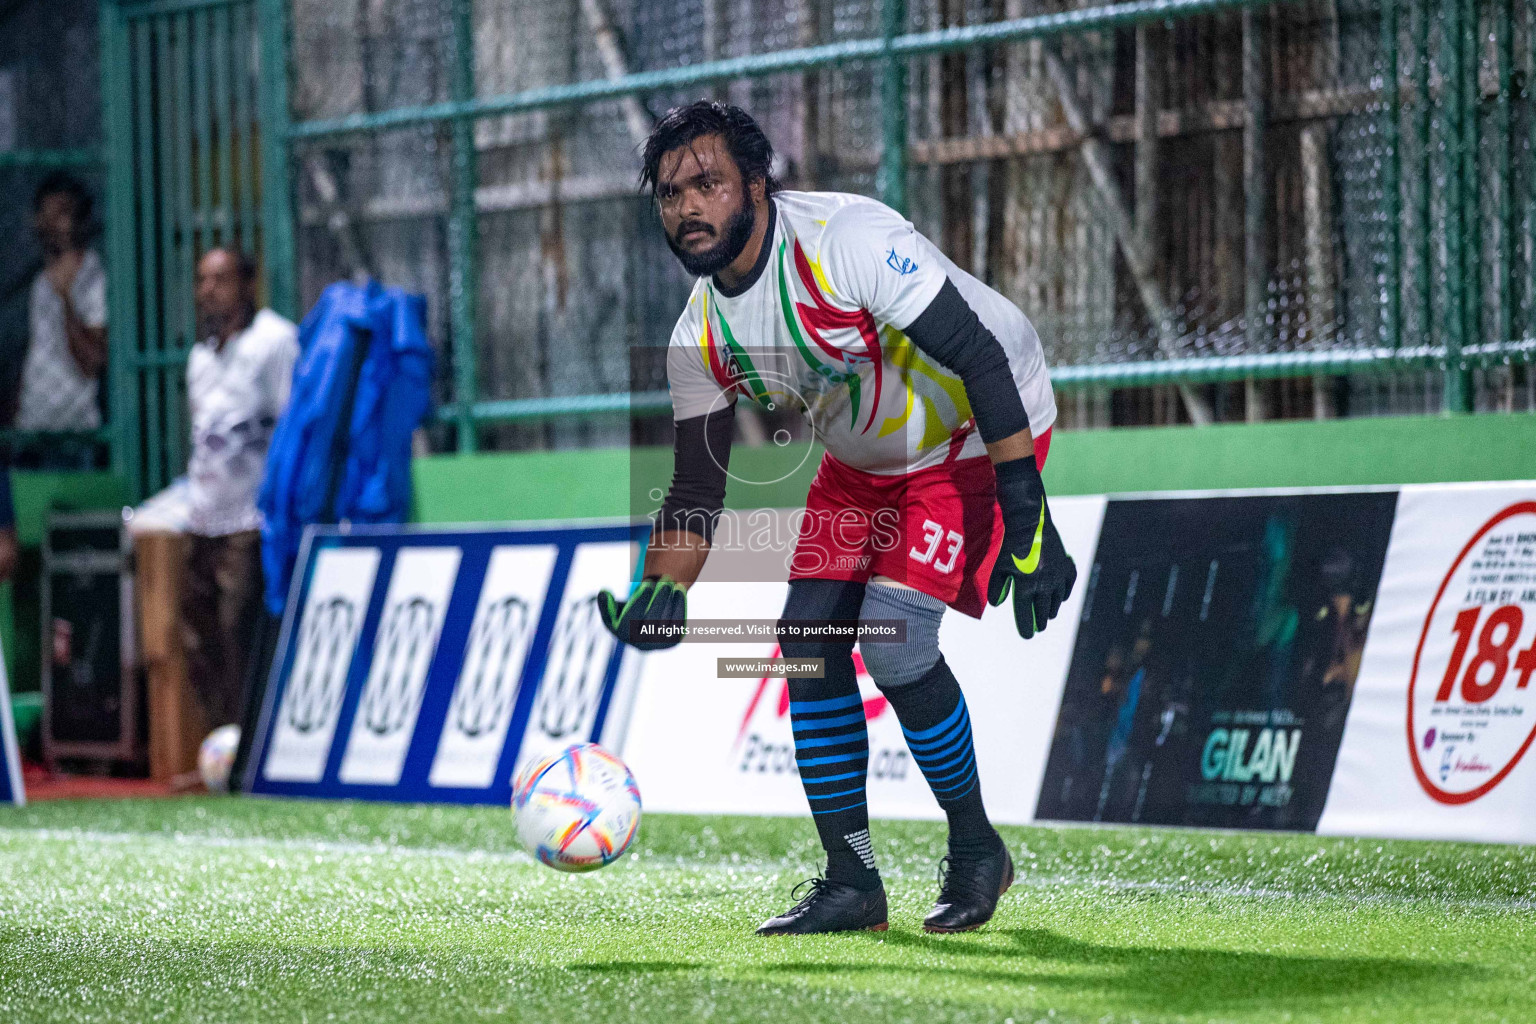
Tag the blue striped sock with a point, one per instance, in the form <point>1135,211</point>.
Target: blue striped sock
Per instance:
<point>937,726</point>
<point>946,753</point>
<point>832,752</point>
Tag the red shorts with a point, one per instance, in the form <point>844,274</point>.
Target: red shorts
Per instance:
<point>937,530</point>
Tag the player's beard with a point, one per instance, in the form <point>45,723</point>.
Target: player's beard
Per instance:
<point>738,232</point>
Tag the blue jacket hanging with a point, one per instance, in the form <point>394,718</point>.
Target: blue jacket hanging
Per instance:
<point>392,395</point>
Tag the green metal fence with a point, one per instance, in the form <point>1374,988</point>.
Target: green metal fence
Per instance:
<point>1189,196</point>
<point>184,107</point>
<point>1370,164</point>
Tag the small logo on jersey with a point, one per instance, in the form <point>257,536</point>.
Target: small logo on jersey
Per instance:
<point>901,264</point>
<point>854,363</point>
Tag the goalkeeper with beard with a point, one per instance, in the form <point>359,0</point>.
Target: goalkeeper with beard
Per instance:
<point>930,394</point>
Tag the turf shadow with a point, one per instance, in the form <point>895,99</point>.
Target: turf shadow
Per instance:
<point>1179,979</point>
<point>110,978</point>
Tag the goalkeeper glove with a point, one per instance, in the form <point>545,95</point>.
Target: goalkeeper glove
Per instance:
<point>656,599</point>
<point>1033,563</point>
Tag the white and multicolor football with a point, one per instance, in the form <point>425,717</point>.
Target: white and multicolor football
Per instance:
<point>216,757</point>
<point>576,810</point>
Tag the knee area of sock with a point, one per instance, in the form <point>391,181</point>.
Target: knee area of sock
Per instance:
<point>813,649</point>
<point>789,647</point>
<point>904,663</point>
<point>897,665</point>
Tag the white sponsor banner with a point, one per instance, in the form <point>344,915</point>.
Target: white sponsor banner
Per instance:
<point>1437,741</point>
<point>701,744</point>
<point>506,621</point>
<point>403,650</point>
<point>332,619</point>
<point>580,651</point>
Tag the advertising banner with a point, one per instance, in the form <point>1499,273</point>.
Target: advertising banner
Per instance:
<point>1218,648</point>
<point>1439,735</point>
<point>1354,662</point>
<point>426,664</point>
<point>703,744</point>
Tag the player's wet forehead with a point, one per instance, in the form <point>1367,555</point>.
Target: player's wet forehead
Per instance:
<point>703,157</point>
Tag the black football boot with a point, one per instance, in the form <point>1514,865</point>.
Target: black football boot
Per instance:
<point>969,890</point>
<point>829,907</point>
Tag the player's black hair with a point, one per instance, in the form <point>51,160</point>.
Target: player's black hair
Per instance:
<point>62,183</point>
<point>743,139</point>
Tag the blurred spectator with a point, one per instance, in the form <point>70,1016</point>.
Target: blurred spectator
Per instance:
<point>238,380</point>
<point>68,346</point>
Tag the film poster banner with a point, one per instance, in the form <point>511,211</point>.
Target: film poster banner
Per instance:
<point>425,665</point>
<point>1439,735</point>
<point>1218,648</point>
<point>702,744</point>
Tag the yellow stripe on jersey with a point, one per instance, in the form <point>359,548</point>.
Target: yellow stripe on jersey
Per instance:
<point>906,357</point>
<point>821,277</point>
<point>934,430</point>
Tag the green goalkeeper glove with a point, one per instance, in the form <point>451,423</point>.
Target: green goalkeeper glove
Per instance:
<point>1033,563</point>
<point>656,599</point>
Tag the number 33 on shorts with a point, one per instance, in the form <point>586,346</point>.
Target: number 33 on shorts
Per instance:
<point>934,538</point>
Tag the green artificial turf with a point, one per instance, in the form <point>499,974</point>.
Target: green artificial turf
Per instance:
<point>226,910</point>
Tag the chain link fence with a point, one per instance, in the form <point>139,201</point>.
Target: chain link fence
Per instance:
<point>1210,210</point>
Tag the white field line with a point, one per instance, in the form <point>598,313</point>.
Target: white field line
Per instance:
<point>299,846</point>
<point>458,855</point>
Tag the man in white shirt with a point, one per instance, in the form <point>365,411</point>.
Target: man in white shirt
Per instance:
<point>68,315</point>
<point>238,380</point>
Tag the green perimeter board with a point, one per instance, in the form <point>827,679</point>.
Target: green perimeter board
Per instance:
<point>1353,452</point>
<point>34,495</point>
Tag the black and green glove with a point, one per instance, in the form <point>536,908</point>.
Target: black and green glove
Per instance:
<point>1033,563</point>
<point>656,599</point>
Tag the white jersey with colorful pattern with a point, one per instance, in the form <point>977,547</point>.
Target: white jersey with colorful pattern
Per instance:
<point>820,330</point>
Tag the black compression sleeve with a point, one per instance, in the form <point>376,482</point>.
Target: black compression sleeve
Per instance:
<point>701,453</point>
<point>951,334</point>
